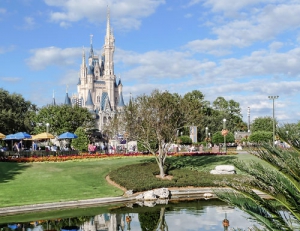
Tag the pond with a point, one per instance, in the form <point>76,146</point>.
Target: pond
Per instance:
<point>191,215</point>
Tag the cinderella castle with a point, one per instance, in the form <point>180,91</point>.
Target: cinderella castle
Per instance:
<point>98,88</point>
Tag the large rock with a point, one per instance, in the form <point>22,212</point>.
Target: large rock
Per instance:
<point>223,169</point>
<point>162,193</point>
<point>149,195</point>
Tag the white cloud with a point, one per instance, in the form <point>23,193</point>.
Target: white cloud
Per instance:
<point>126,13</point>
<point>10,79</point>
<point>29,23</point>
<point>263,25</point>
<point>53,56</point>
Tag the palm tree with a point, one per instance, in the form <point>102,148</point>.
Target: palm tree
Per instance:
<point>278,178</point>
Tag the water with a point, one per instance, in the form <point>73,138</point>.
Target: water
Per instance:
<point>196,215</point>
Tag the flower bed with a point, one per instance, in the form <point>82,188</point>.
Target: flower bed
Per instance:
<point>85,156</point>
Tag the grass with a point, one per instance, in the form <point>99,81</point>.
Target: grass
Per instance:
<point>24,183</point>
<point>32,183</point>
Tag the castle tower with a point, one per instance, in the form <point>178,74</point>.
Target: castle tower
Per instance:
<point>97,89</point>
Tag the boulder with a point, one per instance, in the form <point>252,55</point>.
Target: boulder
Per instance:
<point>149,195</point>
<point>162,193</point>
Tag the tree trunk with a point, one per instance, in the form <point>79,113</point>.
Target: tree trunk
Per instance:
<point>161,168</point>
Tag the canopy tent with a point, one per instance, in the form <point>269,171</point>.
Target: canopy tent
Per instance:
<point>67,135</point>
<point>22,135</point>
<point>10,137</point>
<point>43,136</point>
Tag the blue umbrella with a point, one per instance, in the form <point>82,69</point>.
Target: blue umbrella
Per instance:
<point>22,135</point>
<point>10,137</point>
<point>67,135</point>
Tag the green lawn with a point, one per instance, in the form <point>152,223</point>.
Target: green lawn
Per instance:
<point>30,183</point>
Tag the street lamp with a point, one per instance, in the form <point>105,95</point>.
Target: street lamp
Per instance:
<point>272,97</point>
<point>248,112</point>
<point>224,128</point>
<point>206,130</point>
<point>47,127</point>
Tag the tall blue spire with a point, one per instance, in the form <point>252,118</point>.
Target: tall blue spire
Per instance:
<point>89,101</point>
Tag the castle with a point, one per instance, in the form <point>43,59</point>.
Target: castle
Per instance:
<point>98,89</point>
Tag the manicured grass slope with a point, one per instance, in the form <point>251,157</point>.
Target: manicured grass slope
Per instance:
<point>33,183</point>
<point>50,182</point>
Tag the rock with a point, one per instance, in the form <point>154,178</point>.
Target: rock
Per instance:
<point>207,195</point>
<point>140,197</point>
<point>149,203</point>
<point>162,193</point>
<point>149,195</point>
<point>128,193</point>
<point>225,168</point>
<point>222,172</point>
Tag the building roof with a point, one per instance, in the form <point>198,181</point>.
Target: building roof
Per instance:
<point>121,101</point>
<point>89,100</point>
<point>67,99</point>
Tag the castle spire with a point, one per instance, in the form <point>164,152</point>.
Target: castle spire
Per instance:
<point>108,31</point>
<point>53,100</point>
<point>91,50</point>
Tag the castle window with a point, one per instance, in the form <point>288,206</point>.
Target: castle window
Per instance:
<point>98,99</point>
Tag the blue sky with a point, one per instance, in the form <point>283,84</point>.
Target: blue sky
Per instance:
<point>243,50</point>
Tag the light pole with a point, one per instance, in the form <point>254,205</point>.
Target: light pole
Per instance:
<point>248,112</point>
<point>206,131</point>
<point>47,127</point>
<point>47,130</point>
<point>273,97</point>
<point>224,128</point>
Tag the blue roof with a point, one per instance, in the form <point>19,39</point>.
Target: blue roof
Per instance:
<point>90,70</point>
<point>67,99</point>
<point>103,98</point>
<point>121,100</point>
<point>89,101</point>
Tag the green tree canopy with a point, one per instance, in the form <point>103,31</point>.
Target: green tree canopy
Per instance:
<point>80,143</point>
<point>218,138</point>
<point>262,124</point>
<point>15,113</point>
<point>261,136</point>
<point>62,118</point>
<point>157,118</point>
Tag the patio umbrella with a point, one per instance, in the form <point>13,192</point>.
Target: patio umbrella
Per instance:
<point>10,137</point>
<point>2,136</point>
<point>67,135</point>
<point>44,135</point>
<point>22,135</point>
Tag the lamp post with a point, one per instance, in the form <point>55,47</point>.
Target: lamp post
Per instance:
<point>47,127</point>
<point>224,128</point>
<point>248,112</point>
<point>206,131</point>
<point>47,130</point>
<point>273,97</point>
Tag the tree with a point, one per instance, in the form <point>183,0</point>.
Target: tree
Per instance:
<point>15,113</point>
<point>261,136</point>
<point>218,138</point>
<point>278,177</point>
<point>80,143</point>
<point>262,124</point>
<point>157,118</point>
<point>62,118</point>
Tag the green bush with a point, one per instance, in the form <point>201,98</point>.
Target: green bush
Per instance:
<point>185,171</point>
<point>184,140</point>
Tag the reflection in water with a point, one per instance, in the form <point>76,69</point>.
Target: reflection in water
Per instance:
<point>190,215</point>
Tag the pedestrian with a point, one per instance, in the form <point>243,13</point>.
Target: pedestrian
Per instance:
<point>34,146</point>
<point>20,146</point>
<point>90,148</point>
<point>16,147</point>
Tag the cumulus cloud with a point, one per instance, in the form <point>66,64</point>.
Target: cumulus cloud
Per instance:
<point>127,14</point>
<point>263,25</point>
<point>49,56</point>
